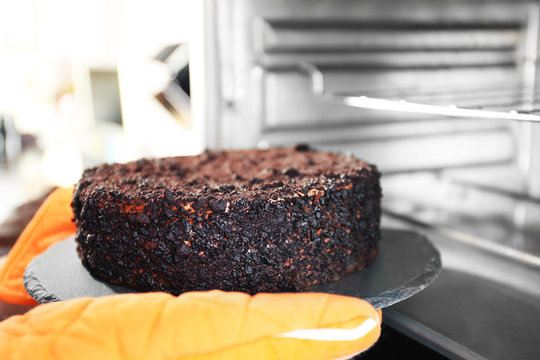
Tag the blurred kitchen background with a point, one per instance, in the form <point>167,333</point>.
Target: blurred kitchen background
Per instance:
<point>88,82</point>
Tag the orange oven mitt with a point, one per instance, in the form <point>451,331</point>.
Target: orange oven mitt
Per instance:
<point>51,223</point>
<point>196,325</point>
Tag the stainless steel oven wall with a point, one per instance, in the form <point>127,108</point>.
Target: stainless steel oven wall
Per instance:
<point>465,52</point>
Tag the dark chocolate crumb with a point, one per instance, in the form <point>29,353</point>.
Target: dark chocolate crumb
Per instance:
<point>302,147</point>
<point>219,205</point>
<point>226,188</point>
<point>291,172</point>
<point>272,185</point>
<point>169,197</point>
<point>142,218</point>
<point>150,245</point>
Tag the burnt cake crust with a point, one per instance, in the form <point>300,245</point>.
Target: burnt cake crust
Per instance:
<point>247,220</point>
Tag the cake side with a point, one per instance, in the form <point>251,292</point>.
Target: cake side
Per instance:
<point>287,230</point>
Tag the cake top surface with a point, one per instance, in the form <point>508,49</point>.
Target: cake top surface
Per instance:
<point>225,173</point>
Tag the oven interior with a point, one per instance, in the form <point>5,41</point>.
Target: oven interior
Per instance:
<point>442,96</point>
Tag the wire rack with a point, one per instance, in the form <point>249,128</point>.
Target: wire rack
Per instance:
<point>517,100</point>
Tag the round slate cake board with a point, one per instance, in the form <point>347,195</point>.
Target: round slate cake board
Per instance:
<point>406,263</point>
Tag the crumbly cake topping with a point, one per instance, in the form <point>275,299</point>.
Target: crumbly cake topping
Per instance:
<point>248,173</point>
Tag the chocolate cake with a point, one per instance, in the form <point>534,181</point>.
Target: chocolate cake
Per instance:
<point>248,220</point>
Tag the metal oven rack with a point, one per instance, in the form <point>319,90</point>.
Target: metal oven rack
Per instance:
<point>517,101</point>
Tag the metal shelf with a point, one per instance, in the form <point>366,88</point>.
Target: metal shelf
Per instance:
<point>515,101</point>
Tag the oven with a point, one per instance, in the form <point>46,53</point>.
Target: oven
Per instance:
<point>442,96</point>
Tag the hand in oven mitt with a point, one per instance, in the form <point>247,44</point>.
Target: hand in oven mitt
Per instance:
<point>51,223</point>
<point>195,325</point>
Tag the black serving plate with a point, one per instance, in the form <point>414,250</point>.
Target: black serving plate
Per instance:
<point>406,263</point>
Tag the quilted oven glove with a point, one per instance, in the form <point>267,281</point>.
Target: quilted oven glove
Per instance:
<point>195,325</point>
<point>51,223</point>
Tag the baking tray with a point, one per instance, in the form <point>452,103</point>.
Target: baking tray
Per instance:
<point>406,263</point>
